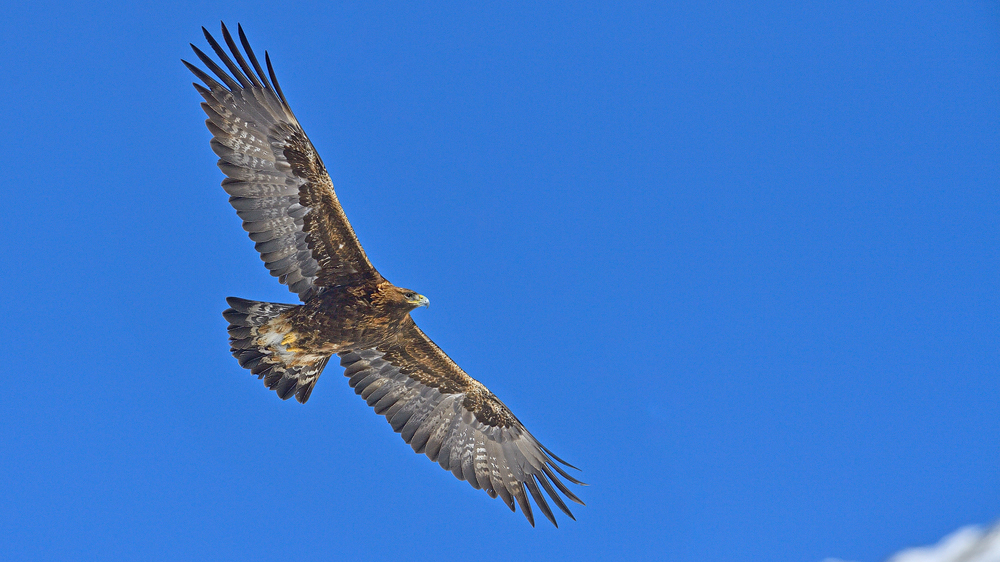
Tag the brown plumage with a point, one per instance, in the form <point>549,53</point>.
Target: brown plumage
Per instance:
<point>279,187</point>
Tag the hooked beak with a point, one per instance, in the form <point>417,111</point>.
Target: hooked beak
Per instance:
<point>421,300</point>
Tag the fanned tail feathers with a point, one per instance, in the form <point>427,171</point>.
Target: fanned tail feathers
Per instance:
<point>256,336</point>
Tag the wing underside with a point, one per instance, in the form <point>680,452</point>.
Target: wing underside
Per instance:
<point>454,420</point>
<point>276,181</point>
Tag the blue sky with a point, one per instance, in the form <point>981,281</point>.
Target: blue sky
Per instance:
<point>738,262</point>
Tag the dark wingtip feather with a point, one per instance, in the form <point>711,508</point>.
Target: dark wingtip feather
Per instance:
<point>564,474</point>
<point>224,57</point>
<point>554,495</point>
<point>274,79</point>
<point>216,69</point>
<point>540,500</point>
<point>522,501</point>
<point>553,455</point>
<point>253,57</point>
<point>559,484</point>
<point>228,37</point>
<point>208,80</point>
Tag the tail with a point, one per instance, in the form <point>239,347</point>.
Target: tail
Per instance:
<point>257,340</point>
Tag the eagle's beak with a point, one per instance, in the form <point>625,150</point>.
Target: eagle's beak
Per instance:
<point>421,300</point>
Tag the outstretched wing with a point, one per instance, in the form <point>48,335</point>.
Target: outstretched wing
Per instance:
<point>455,420</point>
<point>276,181</point>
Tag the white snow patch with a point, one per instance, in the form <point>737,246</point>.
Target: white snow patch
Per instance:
<point>968,544</point>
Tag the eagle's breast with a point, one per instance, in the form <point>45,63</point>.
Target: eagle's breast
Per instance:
<point>345,318</point>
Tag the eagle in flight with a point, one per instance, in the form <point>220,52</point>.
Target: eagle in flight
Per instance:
<point>279,187</point>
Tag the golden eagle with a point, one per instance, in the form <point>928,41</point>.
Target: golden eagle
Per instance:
<point>279,187</point>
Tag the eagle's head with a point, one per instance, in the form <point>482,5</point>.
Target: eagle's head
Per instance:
<point>415,299</point>
<point>400,299</point>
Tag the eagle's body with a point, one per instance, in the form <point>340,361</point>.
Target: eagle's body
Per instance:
<point>280,188</point>
<point>283,348</point>
<point>347,318</point>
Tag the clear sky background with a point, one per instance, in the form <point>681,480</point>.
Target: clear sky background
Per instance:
<point>737,261</point>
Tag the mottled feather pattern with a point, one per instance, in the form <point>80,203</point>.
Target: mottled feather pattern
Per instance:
<point>498,455</point>
<point>330,236</point>
<point>419,357</point>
